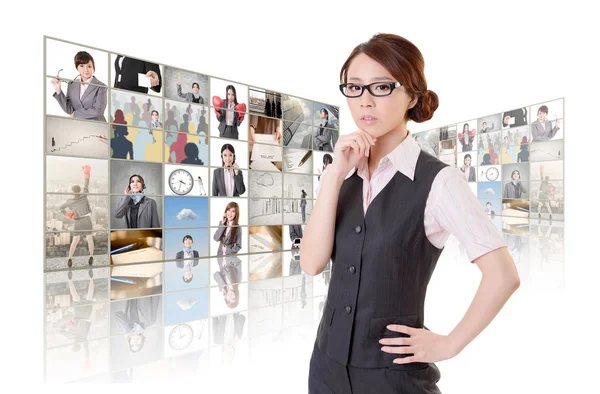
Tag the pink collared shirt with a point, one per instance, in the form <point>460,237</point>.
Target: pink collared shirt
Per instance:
<point>451,207</point>
<point>84,85</point>
<point>229,182</point>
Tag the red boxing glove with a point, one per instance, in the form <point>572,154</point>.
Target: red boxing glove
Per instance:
<point>70,215</point>
<point>86,171</point>
<point>473,132</point>
<point>460,136</point>
<point>217,102</point>
<point>241,108</point>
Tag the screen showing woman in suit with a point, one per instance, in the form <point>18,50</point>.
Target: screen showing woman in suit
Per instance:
<point>229,233</point>
<point>188,254</point>
<point>79,211</point>
<point>467,169</point>
<point>229,179</point>
<point>86,98</point>
<point>230,113</point>
<point>139,210</point>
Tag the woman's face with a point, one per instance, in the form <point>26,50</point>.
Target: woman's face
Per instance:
<point>516,175</point>
<point>230,95</point>
<point>86,70</point>
<point>230,296</point>
<point>542,116</point>
<point>195,88</point>
<point>465,128</point>
<point>155,116</point>
<point>467,161</point>
<point>227,157</point>
<point>230,214</point>
<point>136,185</point>
<point>376,115</point>
<point>187,243</point>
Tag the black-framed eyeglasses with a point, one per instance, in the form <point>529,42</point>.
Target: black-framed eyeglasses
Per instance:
<point>377,89</point>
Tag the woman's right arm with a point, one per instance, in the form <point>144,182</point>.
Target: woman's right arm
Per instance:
<point>317,239</point>
<point>121,208</point>
<point>219,232</point>
<point>64,101</point>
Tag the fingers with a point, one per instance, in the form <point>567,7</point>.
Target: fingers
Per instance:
<point>407,360</point>
<point>403,329</point>
<point>396,341</point>
<point>398,349</point>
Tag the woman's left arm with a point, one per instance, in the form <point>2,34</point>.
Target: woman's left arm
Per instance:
<point>454,208</point>
<point>155,219</point>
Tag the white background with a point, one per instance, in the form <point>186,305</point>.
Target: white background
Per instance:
<point>548,345</point>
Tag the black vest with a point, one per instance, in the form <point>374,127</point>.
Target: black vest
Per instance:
<point>382,263</point>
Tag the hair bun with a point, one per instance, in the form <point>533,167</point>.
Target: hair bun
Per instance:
<point>425,107</point>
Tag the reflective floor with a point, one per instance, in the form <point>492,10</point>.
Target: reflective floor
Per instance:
<point>259,334</point>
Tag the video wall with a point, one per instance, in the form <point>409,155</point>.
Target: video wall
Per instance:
<point>513,160</point>
<point>191,191</point>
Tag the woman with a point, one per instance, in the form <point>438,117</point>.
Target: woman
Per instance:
<point>467,169</point>
<point>86,98</point>
<point>466,139</point>
<point>193,96</point>
<point>230,114</point>
<point>514,188</point>
<point>228,180</point>
<point>303,206</point>
<point>384,212</point>
<point>545,192</point>
<point>80,212</point>
<point>139,211</point>
<point>229,234</point>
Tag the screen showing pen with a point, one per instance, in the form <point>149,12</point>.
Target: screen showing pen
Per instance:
<point>305,158</point>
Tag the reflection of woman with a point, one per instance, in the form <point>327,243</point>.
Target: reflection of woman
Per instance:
<point>467,169</point>
<point>228,180</point>
<point>515,188</point>
<point>229,234</point>
<point>229,113</point>
<point>86,98</point>
<point>139,315</point>
<point>544,193</point>
<point>229,277</point>
<point>80,212</point>
<point>139,211</point>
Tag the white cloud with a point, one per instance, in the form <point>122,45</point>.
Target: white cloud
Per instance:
<point>186,214</point>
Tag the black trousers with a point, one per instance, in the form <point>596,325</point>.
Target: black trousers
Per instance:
<point>327,376</point>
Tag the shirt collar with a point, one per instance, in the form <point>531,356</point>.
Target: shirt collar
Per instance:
<point>403,158</point>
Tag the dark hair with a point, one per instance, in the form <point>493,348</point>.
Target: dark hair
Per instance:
<point>466,124</point>
<point>187,237</point>
<point>153,111</point>
<point>467,155</point>
<point>488,203</point>
<point>228,147</point>
<point>82,57</point>
<point>140,178</point>
<point>327,159</point>
<point>234,93</point>
<point>195,83</point>
<point>404,61</point>
<point>326,112</point>
<point>544,109</point>
<point>517,171</point>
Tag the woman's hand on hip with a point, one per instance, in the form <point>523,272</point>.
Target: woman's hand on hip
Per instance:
<point>426,346</point>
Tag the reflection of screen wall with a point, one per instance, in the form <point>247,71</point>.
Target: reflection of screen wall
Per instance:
<point>145,163</point>
<point>516,159</point>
